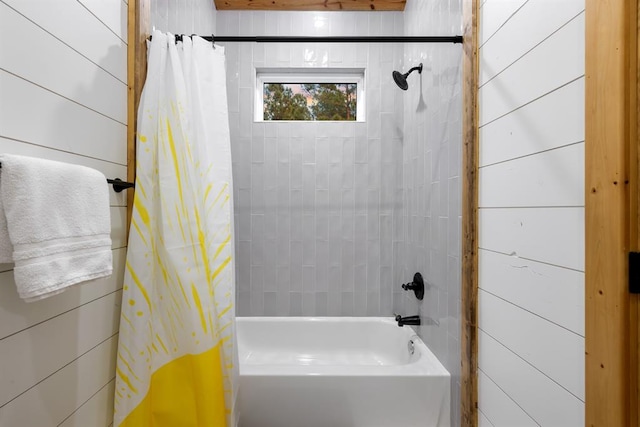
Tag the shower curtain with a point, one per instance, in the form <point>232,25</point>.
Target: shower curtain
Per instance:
<point>177,359</point>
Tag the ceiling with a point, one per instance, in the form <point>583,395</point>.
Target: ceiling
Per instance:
<point>316,5</point>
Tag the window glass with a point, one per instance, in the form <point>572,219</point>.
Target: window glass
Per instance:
<point>309,94</point>
<point>310,101</point>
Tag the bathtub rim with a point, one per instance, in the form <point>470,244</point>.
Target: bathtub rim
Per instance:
<point>426,365</point>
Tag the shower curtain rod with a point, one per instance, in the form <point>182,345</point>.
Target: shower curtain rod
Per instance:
<point>330,39</point>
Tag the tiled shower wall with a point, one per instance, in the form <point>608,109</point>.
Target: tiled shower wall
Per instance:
<point>184,16</point>
<point>431,220</point>
<point>318,205</point>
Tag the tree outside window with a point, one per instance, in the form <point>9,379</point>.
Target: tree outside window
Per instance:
<point>310,101</point>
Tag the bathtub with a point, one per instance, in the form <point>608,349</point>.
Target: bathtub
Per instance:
<point>338,372</point>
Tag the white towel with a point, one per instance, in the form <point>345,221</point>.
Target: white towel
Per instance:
<point>6,248</point>
<point>58,222</point>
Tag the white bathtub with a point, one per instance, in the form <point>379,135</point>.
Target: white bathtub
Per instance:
<point>338,372</point>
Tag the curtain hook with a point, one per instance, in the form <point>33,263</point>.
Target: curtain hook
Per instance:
<point>213,40</point>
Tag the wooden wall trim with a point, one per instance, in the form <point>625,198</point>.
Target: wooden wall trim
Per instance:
<point>611,123</point>
<point>635,217</point>
<point>319,5</point>
<point>139,28</point>
<point>470,149</point>
<point>634,208</point>
<point>634,214</point>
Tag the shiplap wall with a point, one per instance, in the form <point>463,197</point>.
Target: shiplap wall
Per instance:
<point>531,198</point>
<point>63,96</point>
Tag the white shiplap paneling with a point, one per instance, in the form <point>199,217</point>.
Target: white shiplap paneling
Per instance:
<point>38,352</point>
<point>531,217</point>
<point>118,227</point>
<point>112,16</point>
<point>16,315</point>
<point>58,67</point>
<point>494,14</point>
<point>544,400</point>
<point>528,233</point>
<point>556,61</point>
<point>60,394</point>
<point>63,90</point>
<point>550,122</point>
<point>38,116</point>
<point>526,29</point>
<point>72,23</point>
<point>554,293</point>
<point>554,351</point>
<point>94,412</point>
<point>496,406</point>
<point>483,421</point>
<point>552,178</point>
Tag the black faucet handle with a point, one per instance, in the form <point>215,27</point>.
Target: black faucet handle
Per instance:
<point>417,286</point>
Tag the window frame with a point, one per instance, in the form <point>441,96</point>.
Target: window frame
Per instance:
<point>309,75</point>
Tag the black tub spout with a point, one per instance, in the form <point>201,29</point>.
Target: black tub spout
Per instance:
<point>408,320</point>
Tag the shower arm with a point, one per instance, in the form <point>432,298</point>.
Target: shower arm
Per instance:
<point>417,67</point>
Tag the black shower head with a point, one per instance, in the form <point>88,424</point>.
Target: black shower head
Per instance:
<point>401,79</point>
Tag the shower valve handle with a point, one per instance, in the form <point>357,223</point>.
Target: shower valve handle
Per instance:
<point>417,286</point>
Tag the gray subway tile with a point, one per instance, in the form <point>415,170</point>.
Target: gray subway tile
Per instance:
<point>308,304</point>
<point>295,305</point>
<point>347,304</point>
<point>270,304</point>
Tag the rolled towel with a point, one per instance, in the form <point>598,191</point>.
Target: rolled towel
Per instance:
<point>58,222</point>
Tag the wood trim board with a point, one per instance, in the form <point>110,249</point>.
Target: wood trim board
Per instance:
<point>317,5</point>
<point>611,129</point>
<point>470,149</point>
<point>138,26</point>
<point>634,213</point>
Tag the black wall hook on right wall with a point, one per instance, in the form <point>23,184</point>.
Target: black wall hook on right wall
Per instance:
<point>417,286</point>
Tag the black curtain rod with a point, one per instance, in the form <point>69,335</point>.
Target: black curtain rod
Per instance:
<point>330,39</point>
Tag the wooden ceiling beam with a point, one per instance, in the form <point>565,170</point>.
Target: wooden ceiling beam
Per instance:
<point>314,5</point>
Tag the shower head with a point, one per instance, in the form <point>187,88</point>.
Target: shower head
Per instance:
<point>401,79</point>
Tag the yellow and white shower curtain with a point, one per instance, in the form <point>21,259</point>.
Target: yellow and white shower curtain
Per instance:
<point>177,359</point>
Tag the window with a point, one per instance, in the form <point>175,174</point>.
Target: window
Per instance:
<point>310,95</point>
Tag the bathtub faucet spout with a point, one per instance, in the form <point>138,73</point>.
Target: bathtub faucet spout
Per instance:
<point>408,320</point>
